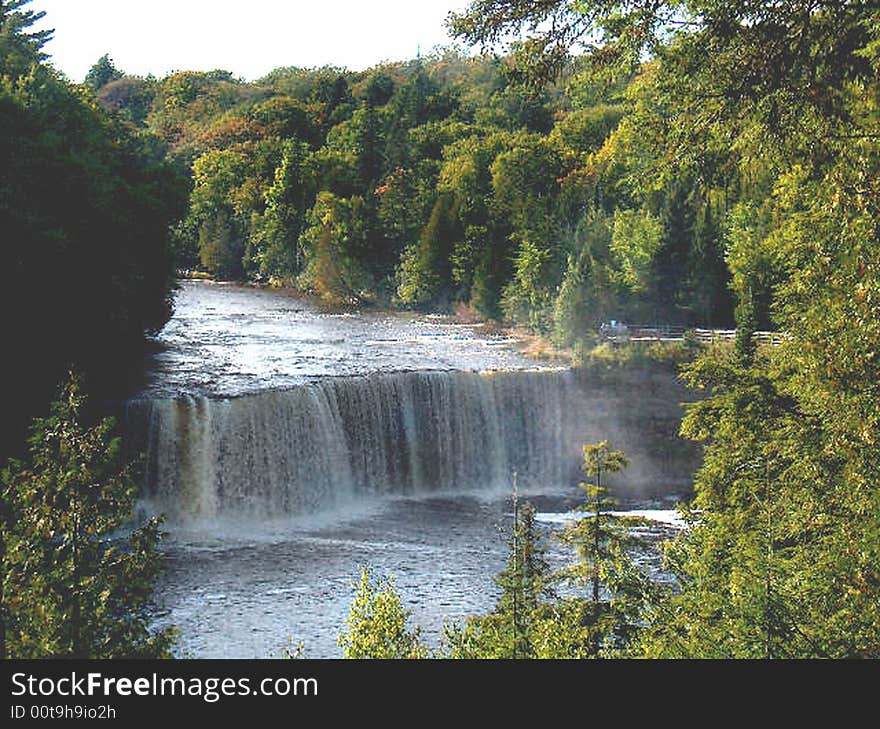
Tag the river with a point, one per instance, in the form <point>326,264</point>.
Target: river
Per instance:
<point>289,446</point>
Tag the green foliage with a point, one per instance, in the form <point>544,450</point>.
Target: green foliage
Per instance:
<point>617,356</point>
<point>752,131</point>
<point>230,195</point>
<point>472,188</point>
<point>86,204</point>
<point>634,244</point>
<point>708,162</point>
<point>780,560</point>
<point>586,130</point>
<point>20,46</point>
<point>376,624</point>
<point>337,233</point>
<point>555,631</point>
<point>706,285</point>
<point>524,581</point>
<point>531,620</point>
<point>588,294</point>
<point>77,574</point>
<point>102,73</point>
<point>425,269</point>
<point>275,235</point>
<point>601,538</point>
<point>286,118</point>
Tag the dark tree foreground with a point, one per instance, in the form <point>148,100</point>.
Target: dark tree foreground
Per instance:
<point>86,204</point>
<point>78,571</point>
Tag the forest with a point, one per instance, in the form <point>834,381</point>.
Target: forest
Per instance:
<point>442,182</point>
<point>698,163</point>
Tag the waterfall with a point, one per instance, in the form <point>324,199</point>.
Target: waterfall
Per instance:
<point>329,441</point>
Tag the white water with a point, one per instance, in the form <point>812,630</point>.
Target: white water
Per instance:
<point>227,340</point>
<point>336,440</point>
<point>291,446</point>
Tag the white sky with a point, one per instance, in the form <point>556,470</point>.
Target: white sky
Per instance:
<point>247,37</point>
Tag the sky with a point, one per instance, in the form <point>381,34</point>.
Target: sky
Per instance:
<point>247,37</point>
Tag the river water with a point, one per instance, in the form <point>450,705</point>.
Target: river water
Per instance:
<point>291,446</point>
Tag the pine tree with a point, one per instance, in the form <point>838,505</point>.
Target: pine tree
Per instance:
<point>376,623</point>
<point>275,238</point>
<point>524,581</point>
<point>746,326</point>
<point>616,588</point>
<point>77,573</point>
<point>527,622</point>
<point>102,73</point>
<point>425,272</point>
<point>20,47</point>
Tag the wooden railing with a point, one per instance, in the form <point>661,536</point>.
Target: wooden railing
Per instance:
<point>668,333</point>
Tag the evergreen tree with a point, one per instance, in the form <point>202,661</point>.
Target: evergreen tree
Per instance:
<point>746,327</point>
<point>369,146</point>
<point>275,236</point>
<point>781,556</point>
<point>102,73</point>
<point>77,573</point>
<point>670,259</point>
<point>425,270</point>
<point>527,622</point>
<point>616,589</point>
<point>21,46</point>
<point>708,280</point>
<point>376,623</point>
<point>524,582</point>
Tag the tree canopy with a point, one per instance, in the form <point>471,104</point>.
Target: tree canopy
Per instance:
<point>86,202</point>
<point>745,155</point>
<point>706,162</point>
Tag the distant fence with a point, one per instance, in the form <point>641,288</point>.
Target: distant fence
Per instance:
<point>667,333</point>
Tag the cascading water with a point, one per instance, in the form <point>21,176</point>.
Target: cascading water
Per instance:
<point>327,442</point>
<point>391,439</point>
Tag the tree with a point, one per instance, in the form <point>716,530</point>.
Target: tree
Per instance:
<point>634,244</point>
<point>524,581</point>
<point>792,50</point>
<point>20,46</point>
<point>77,572</point>
<point>617,589</point>
<point>229,201</point>
<point>130,96</point>
<point>528,621</point>
<point>102,73</point>
<point>369,145</point>
<point>588,294</point>
<point>86,205</point>
<point>425,270</point>
<point>275,236</point>
<point>376,623</point>
<point>336,234</point>
<point>780,560</point>
<point>708,280</point>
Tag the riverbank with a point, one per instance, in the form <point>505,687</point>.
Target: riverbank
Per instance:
<point>288,446</point>
<point>591,353</point>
